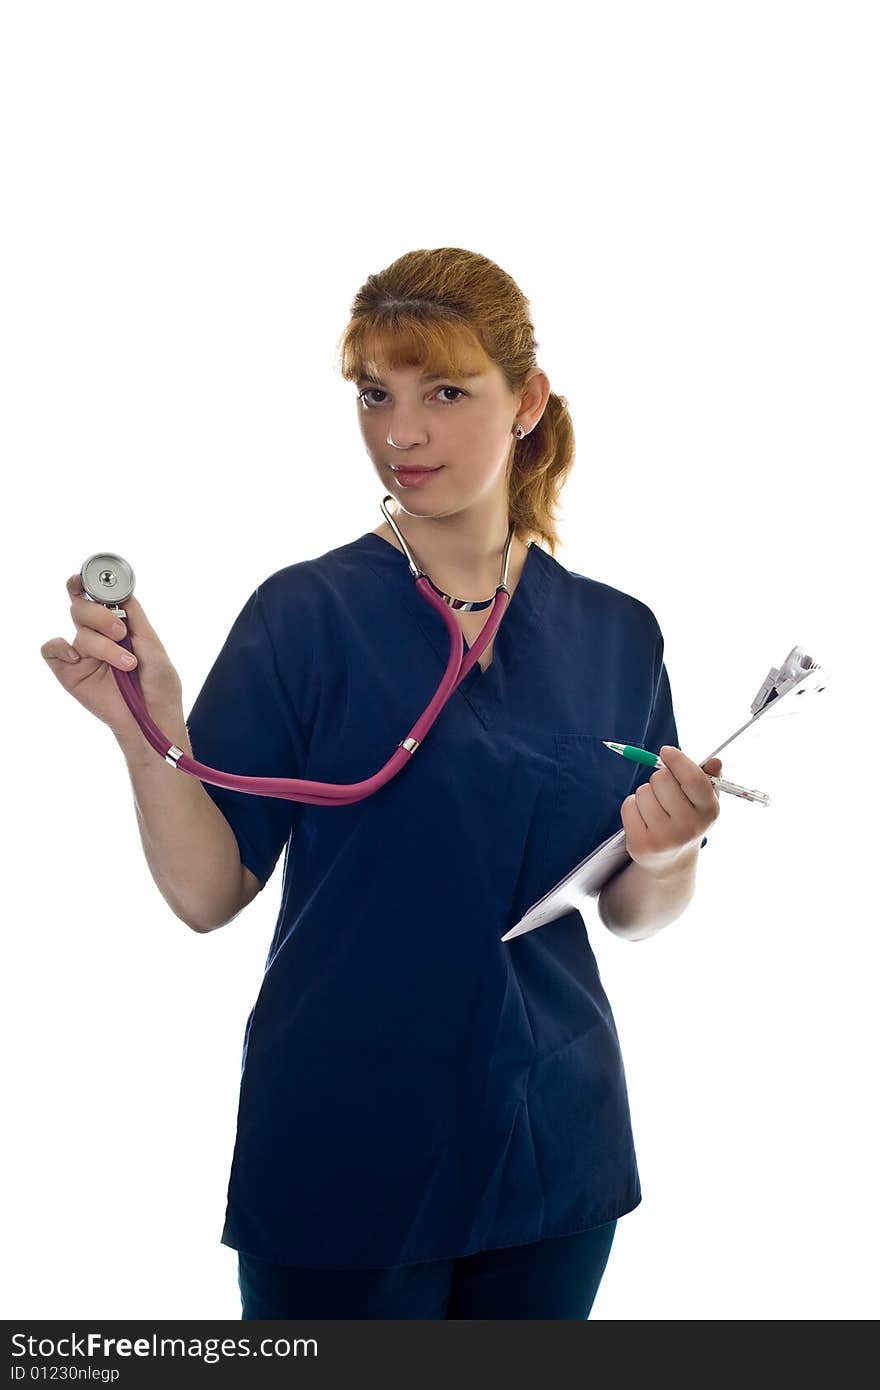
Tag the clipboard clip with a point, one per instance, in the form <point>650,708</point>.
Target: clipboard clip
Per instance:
<point>798,669</point>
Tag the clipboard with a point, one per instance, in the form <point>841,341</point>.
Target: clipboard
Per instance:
<point>799,675</point>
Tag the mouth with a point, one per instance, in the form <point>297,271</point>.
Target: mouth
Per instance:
<point>414,469</point>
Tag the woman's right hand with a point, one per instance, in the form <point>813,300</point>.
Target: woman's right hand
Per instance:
<point>97,642</point>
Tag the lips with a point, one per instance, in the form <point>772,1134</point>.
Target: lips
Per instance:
<point>415,477</point>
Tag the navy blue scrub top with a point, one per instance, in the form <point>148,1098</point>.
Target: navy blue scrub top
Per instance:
<point>412,1087</point>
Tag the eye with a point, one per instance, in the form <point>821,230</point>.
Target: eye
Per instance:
<point>376,390</point>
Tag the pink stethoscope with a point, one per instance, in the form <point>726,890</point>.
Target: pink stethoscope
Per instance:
<point>108,579</point>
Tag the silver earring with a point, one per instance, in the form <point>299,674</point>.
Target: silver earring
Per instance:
<point>519,432</point>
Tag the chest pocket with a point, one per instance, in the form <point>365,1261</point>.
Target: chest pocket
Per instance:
<point>591,784</point>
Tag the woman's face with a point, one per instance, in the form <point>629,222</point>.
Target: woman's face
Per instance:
<point>460,426</point>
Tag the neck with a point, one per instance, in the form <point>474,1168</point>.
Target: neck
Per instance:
<point>462,553</point>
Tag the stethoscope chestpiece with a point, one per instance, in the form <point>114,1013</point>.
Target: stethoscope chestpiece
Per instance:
<point>107,579</point>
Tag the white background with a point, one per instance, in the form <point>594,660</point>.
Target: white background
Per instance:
<point>687,194</point>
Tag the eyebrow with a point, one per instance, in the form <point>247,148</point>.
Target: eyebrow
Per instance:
<point>429,376</point>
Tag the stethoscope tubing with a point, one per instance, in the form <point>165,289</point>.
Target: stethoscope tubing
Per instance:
<point>326,793</point>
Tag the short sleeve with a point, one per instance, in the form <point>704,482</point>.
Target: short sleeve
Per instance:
<point>242,723</point>
<point>661,722</point>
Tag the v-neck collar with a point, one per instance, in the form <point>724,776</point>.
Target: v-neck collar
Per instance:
<point>511,649</point>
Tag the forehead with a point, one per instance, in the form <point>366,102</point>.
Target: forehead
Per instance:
<point>405,373</point>
<point>415,352</point>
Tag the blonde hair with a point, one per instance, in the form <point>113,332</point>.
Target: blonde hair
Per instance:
<point>453,311</point>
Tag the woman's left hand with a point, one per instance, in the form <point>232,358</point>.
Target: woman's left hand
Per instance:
<point>665,818</point>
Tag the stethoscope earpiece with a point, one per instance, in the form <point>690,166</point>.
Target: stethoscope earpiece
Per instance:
<point>107,578</point>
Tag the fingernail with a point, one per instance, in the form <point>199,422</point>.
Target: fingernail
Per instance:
<point>72,655</point>
<point>128,658</point>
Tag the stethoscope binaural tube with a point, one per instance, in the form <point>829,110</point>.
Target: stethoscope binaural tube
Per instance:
<point>108,579</point>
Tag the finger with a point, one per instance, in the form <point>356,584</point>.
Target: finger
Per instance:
<point>56,649</point>
<point>631,816</point>
<point>712,768</point>
<point>89,642</point>
<point>87,614</point>
<point>654,816</point>
<point>693,781</point>
<point>137,618</point>
<point>669,793</point>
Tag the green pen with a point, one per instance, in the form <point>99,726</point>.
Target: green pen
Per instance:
<point>641,755</point>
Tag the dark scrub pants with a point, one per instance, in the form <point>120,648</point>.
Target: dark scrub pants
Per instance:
<point>546,1279</point>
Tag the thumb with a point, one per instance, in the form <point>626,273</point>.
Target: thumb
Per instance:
<point>138,623</point>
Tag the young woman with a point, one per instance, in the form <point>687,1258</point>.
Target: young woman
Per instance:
<point>432,1123</point>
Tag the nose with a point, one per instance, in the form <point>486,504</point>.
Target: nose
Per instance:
<point>404,426</point>
<point>402,435</point>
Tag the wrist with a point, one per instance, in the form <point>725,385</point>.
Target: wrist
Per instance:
<point>136,747</point>
<point>639,901</point>
<point>682,864</point>
<point>670,868</point>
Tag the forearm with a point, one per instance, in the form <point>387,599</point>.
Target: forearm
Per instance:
<point>636,903</point>
<point>189,845</point>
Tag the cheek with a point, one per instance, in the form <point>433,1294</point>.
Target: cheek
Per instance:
<point>374,437</point>
<point>476,446</point>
